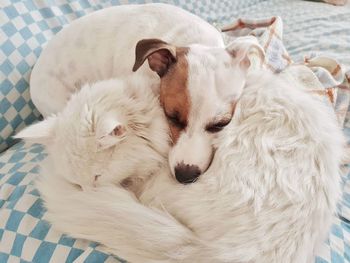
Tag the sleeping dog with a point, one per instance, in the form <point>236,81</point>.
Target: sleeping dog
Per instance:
<point>197,80</point>
<point>268,196</point>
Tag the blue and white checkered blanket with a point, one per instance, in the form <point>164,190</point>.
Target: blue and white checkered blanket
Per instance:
<point>25,26</point>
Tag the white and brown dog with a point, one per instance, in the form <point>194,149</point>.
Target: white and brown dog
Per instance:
<point>198,79</point>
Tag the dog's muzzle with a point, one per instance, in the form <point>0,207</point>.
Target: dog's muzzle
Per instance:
<point>186,174</point>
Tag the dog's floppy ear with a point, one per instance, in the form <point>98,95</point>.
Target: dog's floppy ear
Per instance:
<point>41,132</point>
<point>109,132</point>
<point>160,55</point>
<point>247,52</point>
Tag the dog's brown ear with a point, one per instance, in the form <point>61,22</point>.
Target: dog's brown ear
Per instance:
<point>160,55</point>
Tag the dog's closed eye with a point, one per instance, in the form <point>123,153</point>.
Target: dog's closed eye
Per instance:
<point>217,126</point>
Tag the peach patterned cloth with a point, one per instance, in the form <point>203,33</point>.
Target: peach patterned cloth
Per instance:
<point>324,76</point>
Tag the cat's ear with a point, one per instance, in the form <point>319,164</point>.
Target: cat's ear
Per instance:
<point>41,132</point>
<point>109,132</point>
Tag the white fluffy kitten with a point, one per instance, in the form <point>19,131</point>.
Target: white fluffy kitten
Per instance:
<point>269,195</point>
<point>92,130</point>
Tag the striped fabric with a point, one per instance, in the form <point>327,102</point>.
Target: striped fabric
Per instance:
<point>25,27</point>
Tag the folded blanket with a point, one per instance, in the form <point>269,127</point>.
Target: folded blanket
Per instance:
<point>332,2</point>
<point>322,75</point>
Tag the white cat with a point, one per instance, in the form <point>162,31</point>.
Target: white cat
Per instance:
<point>269,195</point>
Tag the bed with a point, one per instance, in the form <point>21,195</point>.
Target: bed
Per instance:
<point>26,26</point>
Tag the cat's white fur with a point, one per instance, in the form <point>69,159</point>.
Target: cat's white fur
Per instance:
<point>269,195</point>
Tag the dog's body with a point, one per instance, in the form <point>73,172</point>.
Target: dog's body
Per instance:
<point>268,196</point>
<point>198,82</point>
<point>102,44</point>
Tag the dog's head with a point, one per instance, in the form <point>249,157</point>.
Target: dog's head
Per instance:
<point>199,89</point>
<point>104,134</point>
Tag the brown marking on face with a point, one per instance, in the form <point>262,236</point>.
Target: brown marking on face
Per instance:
<point>174,94</point>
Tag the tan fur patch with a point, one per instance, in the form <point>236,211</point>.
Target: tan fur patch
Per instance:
<point>174,94</point>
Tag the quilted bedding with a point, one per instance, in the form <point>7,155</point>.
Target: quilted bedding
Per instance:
<point>25,27</point>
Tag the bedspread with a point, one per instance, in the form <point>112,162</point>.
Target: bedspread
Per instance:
<point>315,36</point>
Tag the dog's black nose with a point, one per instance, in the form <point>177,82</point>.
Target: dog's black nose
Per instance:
<point>186,174</point>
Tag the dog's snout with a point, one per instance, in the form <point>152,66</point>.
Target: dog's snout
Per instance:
<point>187,174</point>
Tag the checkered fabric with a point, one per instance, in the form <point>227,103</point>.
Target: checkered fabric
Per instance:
<point>24,234</point>
<point>25,27</point>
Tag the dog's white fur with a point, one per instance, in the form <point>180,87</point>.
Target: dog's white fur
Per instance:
<point>101,46</point>
<point>269,195</point>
